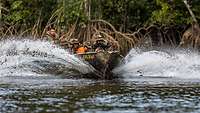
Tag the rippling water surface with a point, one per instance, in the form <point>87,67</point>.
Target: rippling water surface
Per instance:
<point>33,78</point>
<point>47,94</point>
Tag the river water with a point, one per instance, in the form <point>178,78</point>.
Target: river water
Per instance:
<point>37,76</point>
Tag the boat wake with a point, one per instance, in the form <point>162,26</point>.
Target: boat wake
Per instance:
<point>160,63</point>
<point>38,58</point>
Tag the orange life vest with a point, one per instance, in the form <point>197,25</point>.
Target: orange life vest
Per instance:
<point>81,50</point>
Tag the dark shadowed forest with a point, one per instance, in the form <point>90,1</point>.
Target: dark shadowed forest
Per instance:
<point>127,23</point>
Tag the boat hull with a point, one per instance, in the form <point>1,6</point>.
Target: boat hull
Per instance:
<point>104,62</point>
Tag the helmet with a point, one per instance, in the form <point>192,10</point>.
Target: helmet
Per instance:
<point>87,44</point>
<point>99,36</point>
<point>101,40</point>
<point>73,41</point>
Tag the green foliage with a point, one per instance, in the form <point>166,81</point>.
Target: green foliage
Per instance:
<point>172,12</point>
<point>126,13</point>
<point>17,12</point>
<point>140,11</point>
<point>26,12</point>
<point>68,12</point>
<point>123,14</point>
<point>196,8</point>
<point>72,10</point>
<point>164,15</point>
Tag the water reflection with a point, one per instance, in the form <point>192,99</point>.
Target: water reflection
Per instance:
<point>99,96</point>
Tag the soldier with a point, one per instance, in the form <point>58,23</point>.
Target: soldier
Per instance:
<point>74,45</point>
<point>53,36</point>
<point>81,49</point>
<point>101,44</point>
<point>77,47</point>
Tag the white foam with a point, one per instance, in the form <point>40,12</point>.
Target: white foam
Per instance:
<point>18,56</point>
<point>173,63</point>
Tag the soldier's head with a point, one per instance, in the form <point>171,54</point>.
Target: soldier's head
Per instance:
<point>74,42</point>
<point>87,44</point>
<point>99,36</point>
<point>51,32</point>
<point>102,41</point>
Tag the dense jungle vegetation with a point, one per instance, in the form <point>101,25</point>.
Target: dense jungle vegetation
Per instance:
<point>129,22</point>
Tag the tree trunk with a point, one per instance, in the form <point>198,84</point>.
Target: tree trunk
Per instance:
<point>87,10</point>
<point>191,37</point>
<point>0,10</point>
<point>191,13</point>
<point>65,5</point>
<point>126,3</point>
<point>99,9</point>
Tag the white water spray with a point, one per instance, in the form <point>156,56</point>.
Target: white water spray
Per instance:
<point>173,63</point>
<point>39,58</point>
<point>28,57</point>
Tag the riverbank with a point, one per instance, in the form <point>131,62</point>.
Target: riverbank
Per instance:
<point>151,36</point>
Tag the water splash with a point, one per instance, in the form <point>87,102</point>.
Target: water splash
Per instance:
<point>160,63</point>
<point>38,58</point>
